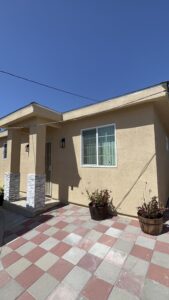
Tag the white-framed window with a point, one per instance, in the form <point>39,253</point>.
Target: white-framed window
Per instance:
<point>4,150</point>
<point>98,146</point>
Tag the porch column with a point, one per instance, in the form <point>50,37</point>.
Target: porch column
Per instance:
<point>12,175</point>
<point>36,178</point>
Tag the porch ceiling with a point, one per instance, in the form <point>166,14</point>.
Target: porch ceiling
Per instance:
<point>31,110</point>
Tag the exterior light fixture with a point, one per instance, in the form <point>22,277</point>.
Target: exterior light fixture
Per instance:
<point>62,143</point>
<point>27,148</point>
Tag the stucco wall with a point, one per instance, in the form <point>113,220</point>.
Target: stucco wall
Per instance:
<point>136,163</point>
<point>3,162</point>
<point>162,157</point>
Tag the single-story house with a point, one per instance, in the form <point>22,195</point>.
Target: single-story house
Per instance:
<point>120,144</point>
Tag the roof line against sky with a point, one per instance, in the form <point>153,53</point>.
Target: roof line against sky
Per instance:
<point>121,95</point>
<point>99,102</point>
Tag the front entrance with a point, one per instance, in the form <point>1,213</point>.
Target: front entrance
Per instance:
<point>48,170</point>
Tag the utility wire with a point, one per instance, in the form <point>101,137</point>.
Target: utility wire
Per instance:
<point>47,86</point>
<point>120,106</point>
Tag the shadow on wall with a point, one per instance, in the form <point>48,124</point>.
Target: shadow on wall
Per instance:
<point>66,161</point>
<point>64,166</point>
<point>135,182</point>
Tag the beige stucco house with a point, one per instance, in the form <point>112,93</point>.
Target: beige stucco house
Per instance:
<point>119,144</point>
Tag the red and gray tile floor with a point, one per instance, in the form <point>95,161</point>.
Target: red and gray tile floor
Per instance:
<point>64,255</point>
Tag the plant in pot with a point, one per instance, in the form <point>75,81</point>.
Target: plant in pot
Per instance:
<point>1,196</point>
<point>150,216</point>
<point>101,204</point>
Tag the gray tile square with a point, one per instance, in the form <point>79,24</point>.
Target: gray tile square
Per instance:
<point>11,290</point>
<point>49,243</point>
<point>132,229</point>
<point>46,261</point>
<point>72,239</point>
<point>30,235</point>
<point>145,242</point>
<point>153,290</point>
<point>51,231</point>
<point>42,288</point>
<point>99,250</point>
<point>70,227</point>
<point>123,245</point>
<point>74,255</point>
<point>18,267</point>
<point>161,259</point>
<point>63,292</point>
<point>136,266</point>
<point>163,238</point>
<point>120,294</point>
<point>116,257</point>
<point>93,235</point>
<point>114,232</point>
<point>108,272</point>
<point>77,278</point>
<point>26,248</point>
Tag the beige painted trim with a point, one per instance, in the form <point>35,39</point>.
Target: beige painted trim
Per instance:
<point>3,134</point>
<point>148,95</point>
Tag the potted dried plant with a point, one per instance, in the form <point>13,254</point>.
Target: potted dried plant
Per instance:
<point>150,216</point>
<point>1,196</point>
<point>101,204</point>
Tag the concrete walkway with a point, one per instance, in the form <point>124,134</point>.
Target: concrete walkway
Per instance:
<point>64,255</point>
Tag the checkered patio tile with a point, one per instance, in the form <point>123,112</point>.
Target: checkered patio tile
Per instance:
<point>63,254</point>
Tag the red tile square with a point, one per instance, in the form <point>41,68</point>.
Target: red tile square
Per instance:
<point>131,283</point>
<point>26,296</point>
<point>10,258</point>
<point>4,278</point>
<point>78,221</point>
<point>158,274</point>
<point>107,240</point>
<point>60,235</point>
<point>35,254</point>
<point>135,223</point>
<point>119,225</point>
<point>29,276</point>
<point>43,227</point>
<point>61,224</point>
<point>127,236</point>
<point>60,269</point>
<point>101,228</point>
<point>85,244</point>
<point>162,247</point>
<point>60,249</point>
<point>142,252</point>
<point>81,231</point>
<point>97,289</point>
<point>89,262</point>
<point>17,243</point>
<point>40,238</point>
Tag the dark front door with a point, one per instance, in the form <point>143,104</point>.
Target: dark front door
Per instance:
<point>48,167</point>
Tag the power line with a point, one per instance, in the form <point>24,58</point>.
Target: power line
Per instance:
<point>47,86</point>
<point>120,106</point>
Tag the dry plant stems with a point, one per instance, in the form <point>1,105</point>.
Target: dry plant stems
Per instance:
<point>150,209</point>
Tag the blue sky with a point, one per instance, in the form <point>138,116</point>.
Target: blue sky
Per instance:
<point>96,48</point>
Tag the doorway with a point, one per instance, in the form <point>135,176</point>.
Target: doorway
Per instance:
<point>48,170</point>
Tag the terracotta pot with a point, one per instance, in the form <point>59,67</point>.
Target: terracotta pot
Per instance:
<point>98,212</point>
<point>151,226</point>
